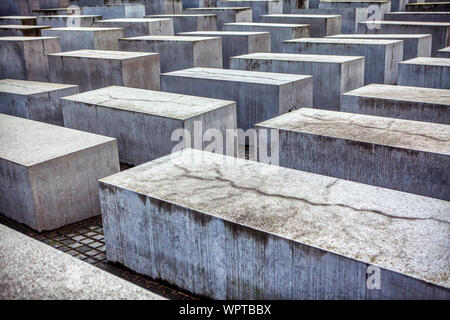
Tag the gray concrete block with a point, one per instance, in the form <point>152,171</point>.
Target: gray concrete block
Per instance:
<point>25,58</point>
<point>32,270</point>
<point>418,16</point>
<point>64,21</point>
<point>53,12</point>
<point>21,30</point>
<point>440,31</point>
<point>225,14</point>
<point>111,11</point>
<point>93,69</point>
<point>50,173</point>
<point>34,100</point>
<point>425,72</point>
<point>235,43</point>
<point>190,22</point>
<point>134,27</point>
<point>278,31</point>
<point>402,102</point>
<point>414,45</point>
<point>229,228</point>
<point>143,121</point>
<point>18,7</point>
<point>199,3</point>
<point>163,6</point>
<point>443,53</point>
<point>332,75</point>
<point>23,20</point>
<point>404,155</point>
<point>259,95</point>
<point>381,57</point>
<point>382,6</point>
<point>178,52</point>
<point>437,6</point>
<point>259,7</point>
<point>94,38</point>
<point>321,25</point>
<point>289,6</point>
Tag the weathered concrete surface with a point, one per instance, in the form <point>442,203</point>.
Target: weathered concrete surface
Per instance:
<point>178,52</point>
<point>402,102</point>
<point>383,6</point>
<point>225,14</point>
<point>111,11</point>
<point>134,27</point>
<point>443,53</point>
<point>25,57</point>
<point>190,22</point>
<point>64,21</point>
<point>93,69</point>
<point>289,6</point>
<point>229,228</point>
<point>259,7</point>
<point>259,95</point>
<point>163,6</point>
<point>94,38</point>
<point>321,24</point>
<point>18,7</point>
<point>425,72</point>
<point>54,11</point>
<point>414,45</point>
<point>50,173</point>
<point>332,75</point>
<point>32,270</point>
<point>381,57</point>
<point>278,31</point>
<point>143,121</point>
<point>24,20</point>
<point>21,30</point>
<point>235,43</point>
<point>434,6</point>
<point>199,3</point>
<point>34,100</point>
<point>404,155</point>
<point>418,16</point>
<point>440,31</point>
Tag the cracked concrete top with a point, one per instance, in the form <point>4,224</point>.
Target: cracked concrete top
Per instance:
<point>403,93</point>
<point>344,41</point>
<point>396,230</point>
<point>399,133</point>
<point>429,61</point>
<point>27,142</point>
<point>157,103</point>
<point>299,57</point>
<point>103,54</point>
<point>25,87</point>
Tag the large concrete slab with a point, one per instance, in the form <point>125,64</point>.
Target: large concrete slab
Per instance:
<point>332,75</point>
<point>111,11</point>
<point>93,69</point>
<point>259,7</point>
<point>381,57</point>
<point>50,173</point>
<point>321,25</point>
<point>418,16</point>
<point>259,95</point>
<point>258,231</point>
<point>403,102</point>
<point>134,27</point>
<point>23,20</point>
<point>21,30</point>
<point>235,43</point>
<point>443,53</point>
<point>163,6</point>
<point>440,31</point>
<point>414,45</point>
<point>430,6</point>
<point>178,52</point>
<point>145,121</point>
<point>198,3</point>
<point>190,22</point>
<point>404,155</point>
<point>278,31</point>
<point>25,58</point>
<point>34,100</point>
<point>375,7</point>
<point>56,11</point>
<point>95,38</point>
<point>18,7</point>
<point>32,270</point>
<point>425,72</point>
<point>225,14</point>
<point>64,21</point>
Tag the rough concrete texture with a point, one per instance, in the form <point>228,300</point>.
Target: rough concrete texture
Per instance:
<point>23,20</point>
<point>178,52</point>
<point>235,43</point>
<point>25,57</point>
<point>383,6</point>
<point>229,228</point>
<point>134,27</point>
<point>289,6</point>
<point>199,3</point>
<point>414,45</point>
<point>443,53</point>
<point>321,25</point>
<point>18,7</point>
<point>190,22</point>
<point>332,75</point>
<point>259,95</point>
<point>49,274</point>
<point>34,100</point>
<point>402,102</point>
<point>143,121</point>
<point>135,10</point>
<point>278,31</point>
<point>50,173</point>
<point>440,31</point>
<point>64,21</point>
<point>425,72</point>
<point>163,6</point>
<point>437,6</point>
<point>21,30</point>
<point>94,38</point>
<point>404,155</point>
<point>259,7</point>
<point>225,14</point>
<point>418,16</point>
<point>381,57</point>
<point>93,69</point>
